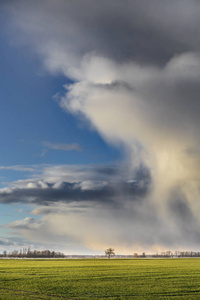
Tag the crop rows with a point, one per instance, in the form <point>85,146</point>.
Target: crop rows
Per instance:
<point>100,279</point>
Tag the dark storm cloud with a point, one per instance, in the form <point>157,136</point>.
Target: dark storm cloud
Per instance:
<point>144,31</point>
<point>96,184</point>
<point>187,224</point>
<point>97,192</point>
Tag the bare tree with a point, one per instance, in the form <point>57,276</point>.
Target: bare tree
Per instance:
<point>109,252</point>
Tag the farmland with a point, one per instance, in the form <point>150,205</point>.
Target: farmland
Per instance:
<point>100,279</point>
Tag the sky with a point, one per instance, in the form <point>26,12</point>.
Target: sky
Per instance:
<point>99,125</point>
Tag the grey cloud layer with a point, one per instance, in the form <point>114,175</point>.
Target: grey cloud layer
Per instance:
<point>143,31</point>
<point>42,192</point>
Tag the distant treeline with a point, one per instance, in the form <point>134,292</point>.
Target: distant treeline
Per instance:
<point>27,253</point>
<point>177,254</point>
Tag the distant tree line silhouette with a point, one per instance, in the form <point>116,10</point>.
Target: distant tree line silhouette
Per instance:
<point>27,253</point>
<point>177,254</point>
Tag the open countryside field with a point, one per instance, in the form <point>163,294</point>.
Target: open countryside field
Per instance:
<point>100,279</point>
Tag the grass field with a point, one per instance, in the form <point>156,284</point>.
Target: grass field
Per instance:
<point>100,279</point>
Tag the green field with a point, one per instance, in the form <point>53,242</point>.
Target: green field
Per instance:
<point>100,279</point>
